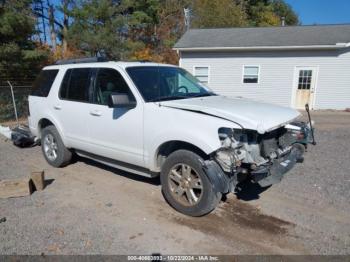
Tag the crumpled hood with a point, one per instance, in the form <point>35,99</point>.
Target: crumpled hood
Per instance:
<point>250,114</point>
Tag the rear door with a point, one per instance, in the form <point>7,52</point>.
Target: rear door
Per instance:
<point>72,106</point>
<point>115,133</point>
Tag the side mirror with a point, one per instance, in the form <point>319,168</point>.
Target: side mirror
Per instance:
<point>120,101</point>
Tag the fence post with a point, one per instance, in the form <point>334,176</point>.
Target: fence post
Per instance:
<point>14,103</point>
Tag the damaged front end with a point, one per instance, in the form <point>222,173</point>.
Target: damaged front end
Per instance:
<point>262,158</point>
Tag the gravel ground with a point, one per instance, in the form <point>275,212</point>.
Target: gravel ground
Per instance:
<point>88,208</point>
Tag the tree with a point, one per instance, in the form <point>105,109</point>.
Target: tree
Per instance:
<point>262,14</point>
<point>38,7</point>
<point>282,9</point>
<point>56,18</point>
<point>19,55</point>
<point>145,29</point>
<point>141,24</point>
<point>100,27</point>
<point>223,13</point>
<point>270,13</point>
<point>167,29</point>
<point>117,29</point>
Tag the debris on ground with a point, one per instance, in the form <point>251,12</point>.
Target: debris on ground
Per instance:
<point>16,187</point>
<point>23,186</point>
<point>38,179</point>
<point>5,131</point>
<point>22,137</point>
<point>2,220</point>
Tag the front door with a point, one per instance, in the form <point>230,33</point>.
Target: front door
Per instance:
<point>115,133</point>
<point>305,86</point>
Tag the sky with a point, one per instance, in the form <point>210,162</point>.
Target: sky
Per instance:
<point>322,11</point>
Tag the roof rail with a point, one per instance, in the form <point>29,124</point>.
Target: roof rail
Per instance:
<point>80,60</point>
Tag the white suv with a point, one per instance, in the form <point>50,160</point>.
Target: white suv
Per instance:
<point>156,119</point>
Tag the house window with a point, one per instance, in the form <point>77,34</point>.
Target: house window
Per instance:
<point>251,74</point>
<point>202,73</point>
<point>305,77</point>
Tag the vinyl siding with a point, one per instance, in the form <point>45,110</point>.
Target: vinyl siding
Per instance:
<point>276,78</point>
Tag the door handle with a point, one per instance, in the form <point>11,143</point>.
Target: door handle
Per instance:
<point>57,107</point>
<point>95,113</point>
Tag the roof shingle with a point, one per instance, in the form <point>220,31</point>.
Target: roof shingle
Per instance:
<point>265,36</point>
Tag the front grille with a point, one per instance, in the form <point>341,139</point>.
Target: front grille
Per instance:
<point>277,139</point>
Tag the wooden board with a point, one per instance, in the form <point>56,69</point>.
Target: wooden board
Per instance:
<point>15,188</point>
<point>38,179</point>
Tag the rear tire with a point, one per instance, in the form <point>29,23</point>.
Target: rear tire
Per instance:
<point>186,186</point>
<point>55,152</point>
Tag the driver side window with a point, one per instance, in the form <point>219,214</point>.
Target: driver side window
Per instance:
<point>188,86</point>
<point>109,81</point>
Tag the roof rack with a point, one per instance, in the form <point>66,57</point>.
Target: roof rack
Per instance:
<point>81,60</point>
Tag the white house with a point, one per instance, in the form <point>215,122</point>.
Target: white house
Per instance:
<point>289,66</point>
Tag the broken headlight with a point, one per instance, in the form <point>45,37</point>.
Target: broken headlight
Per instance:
<point>230,156</point>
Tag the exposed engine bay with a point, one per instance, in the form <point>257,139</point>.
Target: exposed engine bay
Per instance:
<point>246,151</point>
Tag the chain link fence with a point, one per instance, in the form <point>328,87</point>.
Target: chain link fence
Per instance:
<point>21,90</point>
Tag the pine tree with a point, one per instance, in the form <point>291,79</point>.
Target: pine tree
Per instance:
<point>19,55</point>
<point>100,27</point>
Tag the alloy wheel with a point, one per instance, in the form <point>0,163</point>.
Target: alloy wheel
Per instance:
<point>50,147</point>
<point>185,184</point>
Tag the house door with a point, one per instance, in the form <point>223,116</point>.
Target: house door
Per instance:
<point>305,86</point>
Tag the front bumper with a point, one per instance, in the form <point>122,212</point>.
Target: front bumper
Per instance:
<point>273,173</point>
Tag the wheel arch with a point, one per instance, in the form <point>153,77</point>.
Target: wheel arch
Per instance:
<point>168,147</point>
<point>44,122</point>
<point>47,121</point>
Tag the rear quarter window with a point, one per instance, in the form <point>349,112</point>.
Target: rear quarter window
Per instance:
<point>43,83</point>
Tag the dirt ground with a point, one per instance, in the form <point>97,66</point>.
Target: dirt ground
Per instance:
<point>88,208</point>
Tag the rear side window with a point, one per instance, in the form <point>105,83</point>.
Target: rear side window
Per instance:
<point>75,85</point>
<point>43,83</point>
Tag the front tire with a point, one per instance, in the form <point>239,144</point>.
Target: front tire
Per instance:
<point>55,152</point>
<point>186,186</point>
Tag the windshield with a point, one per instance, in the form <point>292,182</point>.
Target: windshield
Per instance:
<point>161,83</point>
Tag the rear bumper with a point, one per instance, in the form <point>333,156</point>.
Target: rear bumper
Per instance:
<point>272,174</point>
<point>32,128</point>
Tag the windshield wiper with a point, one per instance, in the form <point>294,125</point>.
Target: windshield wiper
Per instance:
<point>164,98</point>
<point>202,95</point>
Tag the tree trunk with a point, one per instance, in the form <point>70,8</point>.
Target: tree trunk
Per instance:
<point>51,12</point>
<point>65,28</point>
<point>43,20</point>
